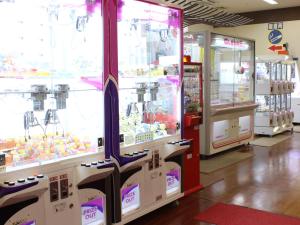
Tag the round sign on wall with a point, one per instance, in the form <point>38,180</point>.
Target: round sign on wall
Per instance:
<point>275,37</point>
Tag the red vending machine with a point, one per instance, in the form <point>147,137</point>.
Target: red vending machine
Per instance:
<point>193,102</point>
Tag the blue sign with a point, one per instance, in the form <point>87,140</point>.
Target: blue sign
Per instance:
<point>275,37</point>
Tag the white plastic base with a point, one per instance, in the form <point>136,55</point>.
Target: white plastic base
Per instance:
<point>271,131</point>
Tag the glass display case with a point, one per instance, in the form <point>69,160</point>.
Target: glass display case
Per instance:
<point>149,56</point>
<point>228,88</point>
<point>51,87</point>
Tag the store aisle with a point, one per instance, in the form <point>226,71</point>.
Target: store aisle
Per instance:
<point>269,181</point>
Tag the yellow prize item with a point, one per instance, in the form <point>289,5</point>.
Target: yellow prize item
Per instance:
<point>162,126</point>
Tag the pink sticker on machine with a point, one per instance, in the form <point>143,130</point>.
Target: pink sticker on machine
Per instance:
<point>29,223</point>
<point>92,212</point>
<point>130,198</point>
<point>173,181</point>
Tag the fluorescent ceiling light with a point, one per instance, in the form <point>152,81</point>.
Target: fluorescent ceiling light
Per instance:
<point>272,2</point>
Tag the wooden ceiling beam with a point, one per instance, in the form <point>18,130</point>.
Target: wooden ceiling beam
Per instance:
<point>275,15</point>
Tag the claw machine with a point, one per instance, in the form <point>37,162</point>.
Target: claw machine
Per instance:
<point>228,87</point>
<point>52,116</point>
<point>146,81</point>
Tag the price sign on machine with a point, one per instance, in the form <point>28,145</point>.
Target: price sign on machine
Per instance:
<point>173,181</point>
<point>130,198</point>
<point>92,212</point>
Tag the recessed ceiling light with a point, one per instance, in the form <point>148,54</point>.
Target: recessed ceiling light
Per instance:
<point>272,2</point>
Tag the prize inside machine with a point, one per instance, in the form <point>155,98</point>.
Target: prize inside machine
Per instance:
<point>228,90</point>
<point>193,104</point>
<point>149,54</point>
<point>274,87</point>
<point>51,90</point>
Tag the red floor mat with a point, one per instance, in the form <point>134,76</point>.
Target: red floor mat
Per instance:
<point>223,214</point>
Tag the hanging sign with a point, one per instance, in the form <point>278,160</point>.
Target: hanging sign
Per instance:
<point>275,26</point>
<point>275,37</point>
<point>276,48</point>
<point>279,49</point>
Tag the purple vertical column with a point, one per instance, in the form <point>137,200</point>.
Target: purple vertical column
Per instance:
<point>112,11</point>
<point>111,111</point>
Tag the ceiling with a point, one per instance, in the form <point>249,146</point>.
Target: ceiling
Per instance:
<point>239,6</point>
<point>231,13</point>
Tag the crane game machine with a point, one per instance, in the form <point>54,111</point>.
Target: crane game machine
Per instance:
<point>51,93</point>
<point>150,152</point>
<point>193,105</point>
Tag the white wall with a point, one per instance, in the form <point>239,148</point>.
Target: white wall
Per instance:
<point>260,32</point>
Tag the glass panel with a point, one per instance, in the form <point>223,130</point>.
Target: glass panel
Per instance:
<point>50,64</point>
<point>149,65</point>
<point>244,71</point>
<point>279,71</point>
<point>288,101</point>
<point>192,88</point>
<point>278,103</point>
<point>284,72</point>
<point>263,72</point>
<point>284,100</point>
<point>274,73</point>
<point>222,69</point>
<point>266,103</point>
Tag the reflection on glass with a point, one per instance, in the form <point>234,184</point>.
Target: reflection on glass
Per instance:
<point>194,47</point>
<point>50,79</point>
<point>149,67</point>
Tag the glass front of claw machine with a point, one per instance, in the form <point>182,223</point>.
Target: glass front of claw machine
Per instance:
<point>149,56</point>
<point>50,80</point>
<point>232,69</point>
